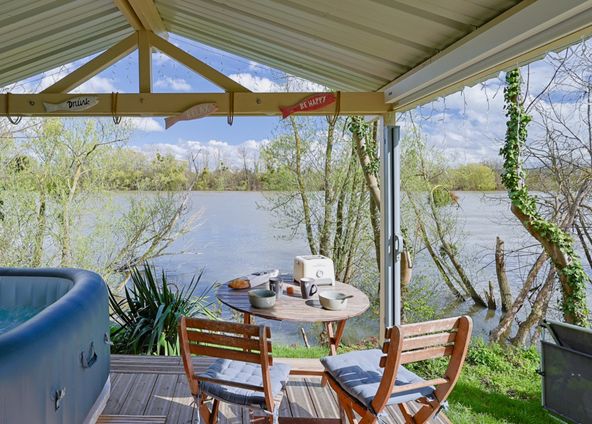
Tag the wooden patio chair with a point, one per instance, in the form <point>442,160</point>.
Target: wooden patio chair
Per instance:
<point>368,381</point>
<point>242,374</point>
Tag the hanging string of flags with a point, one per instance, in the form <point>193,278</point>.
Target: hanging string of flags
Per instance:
<point>175,105</point>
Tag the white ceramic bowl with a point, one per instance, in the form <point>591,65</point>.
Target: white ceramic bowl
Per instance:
<point>333,300</point>
<point>262,298</point>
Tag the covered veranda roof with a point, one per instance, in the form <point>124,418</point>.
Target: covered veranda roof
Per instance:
<point>412,51</point>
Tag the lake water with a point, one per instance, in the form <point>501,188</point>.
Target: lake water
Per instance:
<point>235,237</point>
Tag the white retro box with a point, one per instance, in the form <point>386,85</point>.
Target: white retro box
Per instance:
<point>317,267</point>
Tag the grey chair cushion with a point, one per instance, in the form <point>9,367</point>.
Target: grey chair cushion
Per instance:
<point>243,372</point>
<point>359,374</point>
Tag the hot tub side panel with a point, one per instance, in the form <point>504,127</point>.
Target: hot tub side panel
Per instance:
<point>54,366</point>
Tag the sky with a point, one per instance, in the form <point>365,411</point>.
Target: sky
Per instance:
<point>467,126</point>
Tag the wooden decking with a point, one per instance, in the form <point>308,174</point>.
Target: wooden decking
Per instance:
<point>156,387</point>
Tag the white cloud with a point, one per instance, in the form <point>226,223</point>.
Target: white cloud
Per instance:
<point>284,83</point>
<point>97,84</point>
<point>256,83</point>
<point>159,58</point>
<point>209,153</point>
<point>176,84</point>
<point>145,124</point>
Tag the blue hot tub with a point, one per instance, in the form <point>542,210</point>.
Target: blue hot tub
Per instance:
<point>54,351</point>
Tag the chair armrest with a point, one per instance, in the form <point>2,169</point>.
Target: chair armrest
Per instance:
<point>419,385</point>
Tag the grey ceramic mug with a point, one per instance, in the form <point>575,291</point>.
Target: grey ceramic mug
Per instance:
<point>276,285</point>
<point>308,288</point>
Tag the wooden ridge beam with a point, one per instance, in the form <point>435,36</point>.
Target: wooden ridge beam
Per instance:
<point>196,65</point>
<point>94,66</point>
<point>148,15</point>
<point>128,13</point>
<point>171,104</point>
<point>142,15</point>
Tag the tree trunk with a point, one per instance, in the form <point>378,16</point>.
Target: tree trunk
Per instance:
<point>366,162</point>
<point>40,231</point>
<point>428,244</point>
<point>452,256</point>
<point>490,296</point>
<point>302,189</point>
<point>560,261</point>
<point>553,237</point>
<point>502,278</point>
<point>353,229</point>
<point>373,186</point>
<point>584,237</point>
<point>375,223</point>
<point>325,230</point>
<point>537,311</point>
<point>505,324</point>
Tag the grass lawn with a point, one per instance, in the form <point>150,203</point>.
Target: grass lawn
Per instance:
<point>497,385</point>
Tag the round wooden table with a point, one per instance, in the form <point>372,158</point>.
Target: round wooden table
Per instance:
<point>295,308</point>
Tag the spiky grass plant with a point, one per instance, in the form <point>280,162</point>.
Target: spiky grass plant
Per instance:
<point>145,319</point>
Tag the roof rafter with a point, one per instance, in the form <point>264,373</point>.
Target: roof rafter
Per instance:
<point>196,65</point>
<point>94,66</point>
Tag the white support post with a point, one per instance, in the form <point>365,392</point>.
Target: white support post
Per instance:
<point>394,134</point>
<point>391,240</point>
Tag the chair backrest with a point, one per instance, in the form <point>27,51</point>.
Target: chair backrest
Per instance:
<point>419,342</point>
<point>226,340</point>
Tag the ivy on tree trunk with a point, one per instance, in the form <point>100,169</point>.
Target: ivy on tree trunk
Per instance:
<point>556,241</point>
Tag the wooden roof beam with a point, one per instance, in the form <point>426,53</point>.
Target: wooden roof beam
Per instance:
<point>144,62</point>
<point>196,65</point>
<point>142,15</point>
<point>171,104</point>
<point>94,66</point>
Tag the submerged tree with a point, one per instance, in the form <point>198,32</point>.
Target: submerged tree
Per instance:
<point>430,204</point>
<point>326,197</point>
<point>58,212</point>
<point>553,233</point>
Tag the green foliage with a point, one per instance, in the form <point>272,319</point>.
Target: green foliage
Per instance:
<point>418,304</point>
<point>473,177</point>
<point>442,196</point>
<point>363,129</point>
<point>497,384</point>
<point>127,169</point>
<point>514,177</point>
<point>168,173</point>
<point>146,318</point>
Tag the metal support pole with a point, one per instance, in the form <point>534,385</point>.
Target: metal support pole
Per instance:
<point>394,134</point>
<point>392,242</point>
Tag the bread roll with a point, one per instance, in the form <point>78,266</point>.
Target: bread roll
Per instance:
<point>239,283</point>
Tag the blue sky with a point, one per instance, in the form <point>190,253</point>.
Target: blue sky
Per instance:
<point>467,126</point>
<point>212,133</point>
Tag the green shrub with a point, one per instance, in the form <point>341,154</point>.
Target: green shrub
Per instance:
<point>473,177</point>
<point>145,320</point>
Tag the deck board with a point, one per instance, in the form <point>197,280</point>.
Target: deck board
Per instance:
<point>162,394</point>
<point>156,386</point>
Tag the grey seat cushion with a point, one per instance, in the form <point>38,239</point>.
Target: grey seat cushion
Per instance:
<point>359,374</point>
<point>243,372</point>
